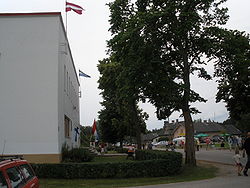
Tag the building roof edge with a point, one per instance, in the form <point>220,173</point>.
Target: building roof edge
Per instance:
<point>30,14</point>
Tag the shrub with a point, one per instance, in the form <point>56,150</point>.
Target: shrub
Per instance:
<point>121,150</point>
<point>76,155</point>
<point>160,164</point>
<point>149,168</point>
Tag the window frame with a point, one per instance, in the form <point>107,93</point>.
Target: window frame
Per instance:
<point>67,127</point>
<point>4,180</point>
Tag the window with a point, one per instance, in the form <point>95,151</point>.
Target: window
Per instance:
<point>15,177</point>
<point>3,183</point>
<point>27,171</point>
<point>67,127</point>
<point>65,78</point>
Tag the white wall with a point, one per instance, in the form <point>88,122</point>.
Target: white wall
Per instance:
<point>29,84</point>
<point>68,100</point>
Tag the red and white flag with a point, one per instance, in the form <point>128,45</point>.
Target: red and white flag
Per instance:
<point>76,8</point>
<point>94,130</point>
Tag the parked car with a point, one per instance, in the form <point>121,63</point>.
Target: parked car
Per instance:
<point>16,173</point>
<point>161,143</point>
<point>216,138</point>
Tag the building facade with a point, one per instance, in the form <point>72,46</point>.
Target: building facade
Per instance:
<point>39,87</point>
<point>177,129</point>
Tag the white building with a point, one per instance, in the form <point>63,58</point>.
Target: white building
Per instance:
<point>39,87</point>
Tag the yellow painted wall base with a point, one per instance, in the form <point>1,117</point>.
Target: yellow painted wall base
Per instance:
<point>42,158</point>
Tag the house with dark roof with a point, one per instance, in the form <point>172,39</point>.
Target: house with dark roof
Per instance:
<point>153,137</point>
<point>148,138</point>
<point>177,129</point>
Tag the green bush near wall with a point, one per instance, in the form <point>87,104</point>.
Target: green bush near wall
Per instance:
<point>164,164</point>
<point>76,155</point>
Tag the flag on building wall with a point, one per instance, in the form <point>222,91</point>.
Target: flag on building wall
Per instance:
<point>76,8</point>
<point>77,132</point>
<point>83,74</point>
<point>94,130</point>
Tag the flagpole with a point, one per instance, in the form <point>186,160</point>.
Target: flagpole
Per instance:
<point>66,17</point>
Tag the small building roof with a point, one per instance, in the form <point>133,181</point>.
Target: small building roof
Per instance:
<point>202,127</point>
<point>149,136</point>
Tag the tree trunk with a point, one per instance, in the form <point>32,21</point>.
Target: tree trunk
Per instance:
<point>189,144</point>
<point>189,127</point>
<point>137,125</point>
<point>121,144</point>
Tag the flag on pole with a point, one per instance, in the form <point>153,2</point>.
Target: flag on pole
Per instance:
<point>83,74</point>
<point>94,130</point>
<point>76,8</point>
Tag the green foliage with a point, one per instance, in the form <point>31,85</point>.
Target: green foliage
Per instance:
<point>76,155</point>
<point>232,52</point>
<point>159,165</point>
<point>121,116</point>
<point>158,45</point>
<point>121,150</point>
<point>188,174</point>
<point>85,135</point>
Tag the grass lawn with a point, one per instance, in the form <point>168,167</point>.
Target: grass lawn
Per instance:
<point>188,174</point>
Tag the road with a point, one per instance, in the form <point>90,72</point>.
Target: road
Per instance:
<point>223,160</point>
<point>219,156</point>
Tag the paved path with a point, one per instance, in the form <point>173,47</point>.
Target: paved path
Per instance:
<point>219,182</point>
<point>227,177</point>
<point>219,156</point>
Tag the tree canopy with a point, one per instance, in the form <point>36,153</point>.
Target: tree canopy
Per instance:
<point>118,117</point>
<point>232,68</point>
<point>156,45</point>
<point>159,43</point>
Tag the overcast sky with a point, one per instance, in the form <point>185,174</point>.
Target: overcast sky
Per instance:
<point>88,33</point>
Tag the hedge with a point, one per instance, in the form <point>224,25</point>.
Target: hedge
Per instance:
<point>154,154</point>
<point>121,150</point>
<point>76,155</point>
<point>169,164</point>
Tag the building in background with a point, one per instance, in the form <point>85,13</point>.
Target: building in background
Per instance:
<point>39,87</point>
<point>212,129</point>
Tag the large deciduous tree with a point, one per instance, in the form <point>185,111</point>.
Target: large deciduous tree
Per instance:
<point>109,116</point>
<point>231,49</point>
<point>159,43</point>
<point>120,116</point>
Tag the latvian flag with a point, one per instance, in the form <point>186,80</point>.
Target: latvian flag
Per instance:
<point>74,7</point>
<point>94,130</point>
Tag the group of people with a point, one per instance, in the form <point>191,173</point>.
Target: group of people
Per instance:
<point>234,141</point>
<point>237,157</point>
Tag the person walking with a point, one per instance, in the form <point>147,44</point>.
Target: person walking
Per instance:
<point>237,160</point>
<point>150,146</point>
<point>230,142</point>
<point>208,141</point>
<point>246,148</point>
<point>131,152</point>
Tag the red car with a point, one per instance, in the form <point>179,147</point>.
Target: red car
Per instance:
<point>16,173</point>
